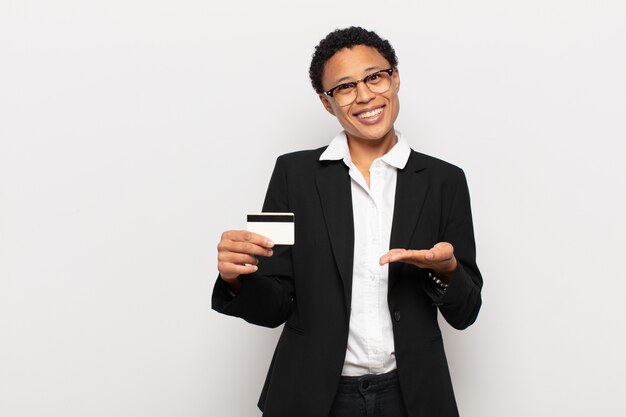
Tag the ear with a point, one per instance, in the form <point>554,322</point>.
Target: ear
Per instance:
<point>326,102</point>
<point>396,78</point>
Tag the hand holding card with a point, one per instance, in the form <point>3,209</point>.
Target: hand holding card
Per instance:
<point>278,227</point>
<point>237,254</point>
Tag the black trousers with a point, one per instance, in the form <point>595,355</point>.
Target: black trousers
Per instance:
<point>369,396</point>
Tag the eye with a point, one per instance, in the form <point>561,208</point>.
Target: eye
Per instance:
<point>374,78</point>
<point>344,88</point>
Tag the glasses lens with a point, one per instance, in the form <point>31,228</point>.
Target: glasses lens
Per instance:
<point>378,82</point>
<point>345,94</point>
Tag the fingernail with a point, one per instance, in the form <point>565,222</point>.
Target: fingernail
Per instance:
<point>271,252</point>
<point>269,243</point>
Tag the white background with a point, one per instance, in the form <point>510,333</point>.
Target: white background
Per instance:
<point>132,133</point>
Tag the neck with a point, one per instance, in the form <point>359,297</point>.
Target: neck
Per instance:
<point>365,151</point>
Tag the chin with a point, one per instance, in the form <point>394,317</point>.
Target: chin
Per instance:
<point>369,134</point>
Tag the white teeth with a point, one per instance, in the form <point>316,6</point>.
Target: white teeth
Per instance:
<point>372,113</point>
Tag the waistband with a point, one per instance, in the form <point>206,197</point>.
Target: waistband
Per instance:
<point>371,382</point>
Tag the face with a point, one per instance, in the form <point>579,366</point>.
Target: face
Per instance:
<point>371,116</point>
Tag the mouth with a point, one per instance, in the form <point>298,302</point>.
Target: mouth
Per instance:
<point>370,116</point>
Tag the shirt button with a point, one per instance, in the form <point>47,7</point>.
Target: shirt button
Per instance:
<point>397,316</point>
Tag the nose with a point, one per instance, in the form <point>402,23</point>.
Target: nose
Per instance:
<point>363,93</point>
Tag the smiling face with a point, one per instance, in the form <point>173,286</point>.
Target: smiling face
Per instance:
<point>371,116</point>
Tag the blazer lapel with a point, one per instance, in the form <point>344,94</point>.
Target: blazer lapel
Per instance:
<point>333,186</point>
<point>411,189</point>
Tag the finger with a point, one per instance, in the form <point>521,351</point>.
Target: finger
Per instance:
<point>247,236</point>
<point>415,257</point>
<point>243,247</point>
<point>386,258</point>
<point>237,258</point>
<point>231,270</point>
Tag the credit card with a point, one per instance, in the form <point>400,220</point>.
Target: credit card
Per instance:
<point>278,227</point>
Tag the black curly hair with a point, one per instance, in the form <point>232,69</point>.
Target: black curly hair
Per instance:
<point>346,38</point>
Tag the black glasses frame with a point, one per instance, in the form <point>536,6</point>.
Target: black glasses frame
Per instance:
<point>353,84</point>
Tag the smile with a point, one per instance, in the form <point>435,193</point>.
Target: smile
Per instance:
<point>371,113</point>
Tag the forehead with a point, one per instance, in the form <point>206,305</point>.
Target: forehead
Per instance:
<point>352,63</point>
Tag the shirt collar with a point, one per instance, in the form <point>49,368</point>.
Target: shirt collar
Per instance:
<point>338,149</point>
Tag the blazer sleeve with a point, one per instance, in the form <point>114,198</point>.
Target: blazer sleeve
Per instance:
<point>462,300</point>
<point>266,296</point>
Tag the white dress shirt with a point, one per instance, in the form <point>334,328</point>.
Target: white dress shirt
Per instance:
<point>370,339</point>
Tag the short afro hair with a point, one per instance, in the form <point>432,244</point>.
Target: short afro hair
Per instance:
<point>346,38</point>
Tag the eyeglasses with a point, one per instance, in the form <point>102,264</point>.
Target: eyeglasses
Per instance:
<point>377,82</point>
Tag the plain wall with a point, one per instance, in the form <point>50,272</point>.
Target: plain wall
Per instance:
<point>132,133</point>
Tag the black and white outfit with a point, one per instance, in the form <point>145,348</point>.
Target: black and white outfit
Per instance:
<point>346,316</point>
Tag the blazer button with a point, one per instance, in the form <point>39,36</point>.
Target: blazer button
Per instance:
<point>397,316</point>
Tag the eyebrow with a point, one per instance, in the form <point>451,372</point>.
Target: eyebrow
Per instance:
<point>368,69</point>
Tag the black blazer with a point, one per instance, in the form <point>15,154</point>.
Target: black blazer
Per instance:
<point>308,286</point>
